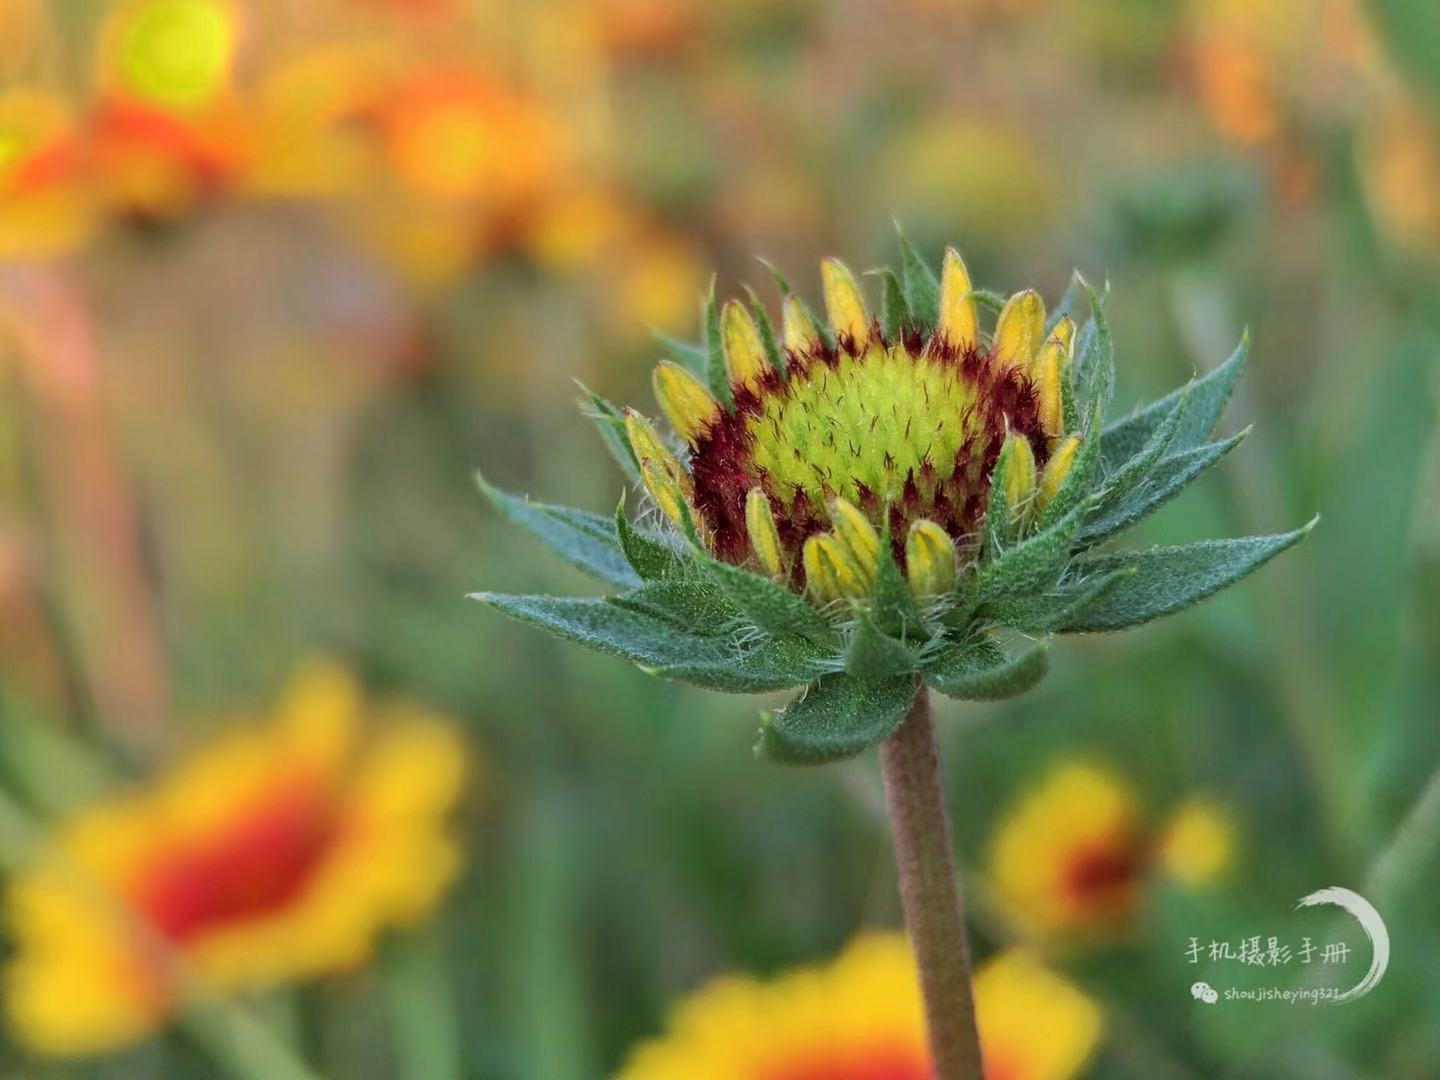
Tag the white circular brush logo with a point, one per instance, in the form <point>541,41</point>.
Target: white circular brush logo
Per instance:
<point>1374,927</point>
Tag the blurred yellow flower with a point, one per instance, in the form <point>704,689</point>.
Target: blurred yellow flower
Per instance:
<point>861,1018</point>
<point>972,175</point>
<point>1073,859</point>
<point>45,209</point>
<point>658,277</point>
<point>309,141</point>
<point>1400,165</point>
<point>173,54</point>
<point>1198,844</point>
<point>578,226</point>
<point>1069,858</point>
<point>275,854</point>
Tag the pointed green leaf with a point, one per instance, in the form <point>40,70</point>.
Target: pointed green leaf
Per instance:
<point>1069,304</point>
<point>773,608</point>
<point>610,422</point>
<point>584,540</point>
<point>1119,485</point>
<point>648,555</point>
<point>1069,403</point>
<point>837,717</point>
<point>1166,480</point>
<point>605,627</point>
<point>1168,579</point>
<point>922,289</point>
<point>1048,611</point>
<point>981,670</point>
<point>1209,394</point>
<point>1032,565</point>
<point>716,375</point>
<point>894,311</point>
<point>999,530</point>
<point>695,605</point>
<point>772,663</point>
<point>892,604</point>
<point>988,298</point>
<point>1094,366</point>
<point>773,352</point>
<point>874,654</point>
<point>781,281</point>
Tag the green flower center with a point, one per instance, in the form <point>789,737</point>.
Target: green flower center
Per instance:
<point>863,428</point>
<point>906,429</point>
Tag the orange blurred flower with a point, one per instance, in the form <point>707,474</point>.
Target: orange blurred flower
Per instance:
<point>463,135</point>
<point>277,853</point>
<point>647,27</point>
<point>1236,82</point>
<point>1400,166</point>
<point>861,1018</point>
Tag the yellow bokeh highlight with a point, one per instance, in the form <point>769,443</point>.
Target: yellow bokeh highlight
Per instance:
<point>176,54</point>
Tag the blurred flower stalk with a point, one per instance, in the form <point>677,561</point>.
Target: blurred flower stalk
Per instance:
<point>45,327</point>
<point>874,507</point>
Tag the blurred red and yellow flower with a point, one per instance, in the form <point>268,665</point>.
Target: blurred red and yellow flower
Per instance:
<point>45,209</point>
<point>462,135</point>
<point>278,853</point>
<point>861,1018</point>
<point>471,162</point>
<point>150,163</point>
<point>167,131</point>
<point>1074,858</point>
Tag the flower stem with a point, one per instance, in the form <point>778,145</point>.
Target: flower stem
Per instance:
<point>930,892</point>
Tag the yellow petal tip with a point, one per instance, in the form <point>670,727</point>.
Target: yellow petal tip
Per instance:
<point>844,304</point>
<point>685,400</point>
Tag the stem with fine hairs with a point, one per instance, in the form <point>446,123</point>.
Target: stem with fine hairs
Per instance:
<point>930,892</point>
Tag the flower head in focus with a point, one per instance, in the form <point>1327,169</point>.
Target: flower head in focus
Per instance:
<point>277,853</point>
<point>1073,859</point>
<point>871,502</point>
<point>861,1018</point>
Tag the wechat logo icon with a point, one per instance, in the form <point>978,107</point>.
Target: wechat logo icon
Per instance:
<point>1203,991</point>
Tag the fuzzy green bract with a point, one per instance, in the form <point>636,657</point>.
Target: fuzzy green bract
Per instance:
<point>679,612</point>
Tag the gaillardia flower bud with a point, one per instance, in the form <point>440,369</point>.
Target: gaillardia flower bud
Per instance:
<point>886,502</point>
